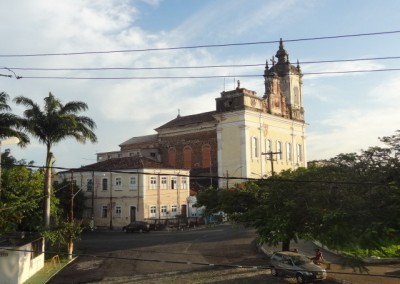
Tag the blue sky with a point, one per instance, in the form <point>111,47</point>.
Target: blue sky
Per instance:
<point>345,112</point>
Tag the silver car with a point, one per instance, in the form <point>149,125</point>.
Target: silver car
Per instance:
<point>296,265</point>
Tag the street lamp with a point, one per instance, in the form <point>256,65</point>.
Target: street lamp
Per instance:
<point>7,141</point>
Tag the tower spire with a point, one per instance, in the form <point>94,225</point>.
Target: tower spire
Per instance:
<point>281,54</point>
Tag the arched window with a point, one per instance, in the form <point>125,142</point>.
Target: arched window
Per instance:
<point>299,153</point>
<point>187,157</point>
<point>279,150</point>
<point>296,96</point>
<point>172,157</point>
<point>206,156</point>
<point>254,147</point>
<point>268,148</point>
<point>288,151</point>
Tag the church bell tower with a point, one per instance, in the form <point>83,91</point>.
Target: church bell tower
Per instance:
<point>283,87</point>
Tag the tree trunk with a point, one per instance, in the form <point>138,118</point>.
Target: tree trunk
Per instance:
<point>286,245</point>
<point>47,188</point>
<point>70,249</point>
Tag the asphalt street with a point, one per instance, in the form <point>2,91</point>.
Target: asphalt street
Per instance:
<point>220,254</point>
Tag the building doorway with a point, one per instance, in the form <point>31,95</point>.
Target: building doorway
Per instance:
<point>183,211</point>
<point>133,214</point>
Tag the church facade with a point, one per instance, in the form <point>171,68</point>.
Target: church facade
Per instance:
<point>246,136</point>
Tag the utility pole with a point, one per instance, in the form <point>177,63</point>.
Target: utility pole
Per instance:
<point>271,158</point>
<point>227,180</point>
<point>111,204</point>
<point>71,217</point>
<point>71,209</point>
<point>92,185</point>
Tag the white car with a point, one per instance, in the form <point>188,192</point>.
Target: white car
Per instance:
<point>296,265</point>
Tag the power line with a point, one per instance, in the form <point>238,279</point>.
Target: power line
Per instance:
<point>136,68</point>
<point>138,78</point>
<point>194,67</point>
<point>178,174</point>
<point>350,60</point>
<point>38,199</point>
<point>200,46</point>
<point>199,77</point>
<point>352,71</point>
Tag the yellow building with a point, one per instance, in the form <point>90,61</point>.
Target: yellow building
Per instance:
<point>246,136</point>
<point>259,136</point>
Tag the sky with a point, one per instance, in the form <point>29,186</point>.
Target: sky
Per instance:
<point>345,112</point>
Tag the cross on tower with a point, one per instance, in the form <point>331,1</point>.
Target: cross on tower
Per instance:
<point>273,61</point>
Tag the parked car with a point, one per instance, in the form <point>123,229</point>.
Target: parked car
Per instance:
<point>296,265</point>
<point>137,226</point>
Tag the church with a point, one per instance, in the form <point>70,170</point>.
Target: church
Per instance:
<point>247,136</point>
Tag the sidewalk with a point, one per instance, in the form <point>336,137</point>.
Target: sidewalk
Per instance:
<point>378,273</point>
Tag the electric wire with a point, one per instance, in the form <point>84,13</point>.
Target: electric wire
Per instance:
<point>200,77</point>
<point>194,67</point>
<point>157,173</point>
<point>202,46</point>
<point>20,205</point>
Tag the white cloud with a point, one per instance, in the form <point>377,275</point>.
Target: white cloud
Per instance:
<point>154,3</point>
<point>329,69</point>
<point>358,127</point>
<point>126,108</point>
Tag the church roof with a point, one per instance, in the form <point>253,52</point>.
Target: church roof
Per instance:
<point>124,163</point>
<point>189,120</point>
<point>141,139</point>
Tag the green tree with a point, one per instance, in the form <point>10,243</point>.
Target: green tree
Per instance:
<point>210,198</point>
<point>63,192</point>
<point>63,235</point>
<point>9,126</point>
<point>21,201</point>
<point>51,125</point>
<point>66,229</point>
<point>348,202</point>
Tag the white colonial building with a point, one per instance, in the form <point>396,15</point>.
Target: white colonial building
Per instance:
<point>121,190</point>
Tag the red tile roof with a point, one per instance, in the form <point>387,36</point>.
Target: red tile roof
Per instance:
<point>124,163</point>
<point>189,119</point>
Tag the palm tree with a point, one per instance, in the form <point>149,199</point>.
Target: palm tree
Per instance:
<point>9,123</point>
<point>52,124</point>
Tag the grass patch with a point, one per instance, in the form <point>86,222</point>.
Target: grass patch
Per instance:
<point>389,251</point>
<point>50,268</point>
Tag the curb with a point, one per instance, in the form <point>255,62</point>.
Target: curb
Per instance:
<point>367,260</point>
<point>61,268</point>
